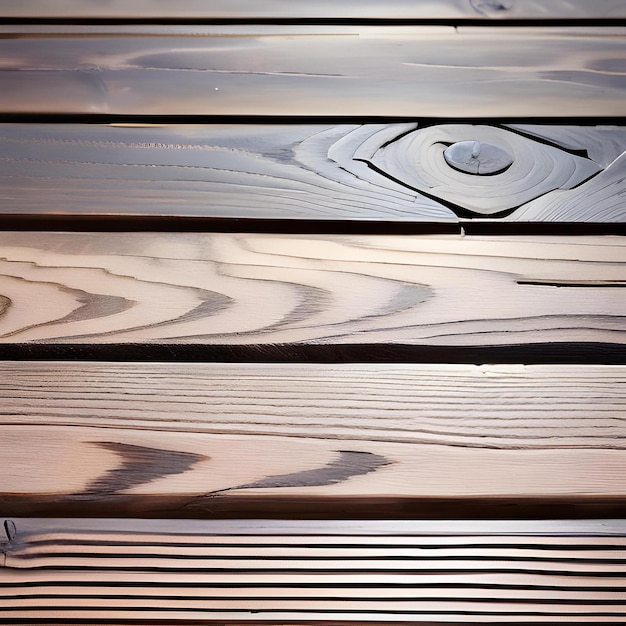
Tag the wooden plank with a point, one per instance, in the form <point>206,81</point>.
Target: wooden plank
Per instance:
<point>177,439</point>
<point>262,290</point>
<point>435,71</point>
<point>248,171</point>
<point>324,530</point>
<point>325,172</point>
<point>85,569</point>
<point>350,9</point>
<point>552,534</point>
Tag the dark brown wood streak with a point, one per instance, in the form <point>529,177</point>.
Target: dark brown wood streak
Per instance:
<point>348,463</point>
<point>140,465</point>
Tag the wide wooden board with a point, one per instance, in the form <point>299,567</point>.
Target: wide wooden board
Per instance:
<point>263,290</point>
<point>376,571</point>
<point>324,9</point>
<point>364,172</point>
<point>435,71</point>
<point>235,171</point>
<point>197,440</point>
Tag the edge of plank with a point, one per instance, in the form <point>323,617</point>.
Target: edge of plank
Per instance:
<point>177,223</point>
<point>409,527</point>
<point>591,353</point>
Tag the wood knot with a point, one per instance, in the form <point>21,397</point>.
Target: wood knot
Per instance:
<point>476,157</point>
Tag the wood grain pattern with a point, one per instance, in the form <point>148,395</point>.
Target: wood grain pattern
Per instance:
<point>284,9</point>
<point>435,71</point>
<point>178,439</point>
<point>248,171</point>
<point>391,172</point>
<point>412,572</point>
<point>310,290</point>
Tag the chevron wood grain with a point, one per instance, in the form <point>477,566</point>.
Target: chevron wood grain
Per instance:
<point>219,289</point>
<point>196,439</point>
<point>304,70</point>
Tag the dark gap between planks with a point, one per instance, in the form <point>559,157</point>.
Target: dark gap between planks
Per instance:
<point>555,353</point>
<point>200,224</point>
<point>230,505</point>
<point>292,120</point>
<point>501,22</point>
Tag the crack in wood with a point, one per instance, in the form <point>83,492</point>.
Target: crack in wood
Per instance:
<point>572,283</point>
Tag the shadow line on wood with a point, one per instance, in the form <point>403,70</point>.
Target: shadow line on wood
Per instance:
<point>274,507</point>
<point>592,353</point>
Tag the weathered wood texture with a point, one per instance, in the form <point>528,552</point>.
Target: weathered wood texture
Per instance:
<point>204,439</point>
<point>287,9</point>
<point>314,70</point>
<point>249,171</point>
<point>328,172</point>
<point>63,569</point>
<point>304,289</point>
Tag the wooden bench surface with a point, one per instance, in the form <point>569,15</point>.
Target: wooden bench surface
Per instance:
<point>312,314</point>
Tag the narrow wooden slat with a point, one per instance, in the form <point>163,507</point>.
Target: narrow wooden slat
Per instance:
<point>40,593</point>
<point>118,439</point>
<point>545,530</point>
<point>284,9</point>
<point>325,172</point>
<point>313,70</point>
<point>478,587</point>
<point>98,615</point>
<point>18,581</point>
<point>252,290</point>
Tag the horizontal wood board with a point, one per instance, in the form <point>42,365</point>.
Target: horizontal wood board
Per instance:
<point>285,9</point>
<point>355,172</point>
<point>196,440</point>
<point>407,572</point>
<point>263,290</point>
<point>436,71</point>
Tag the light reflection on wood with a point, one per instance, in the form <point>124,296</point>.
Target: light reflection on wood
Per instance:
<point>433,71</point>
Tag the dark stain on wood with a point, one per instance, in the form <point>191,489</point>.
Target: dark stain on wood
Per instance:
<point>572,283</point>
<point>349,463</point>
<point>90,305</point>
<point>9,530</point>
<point>140,465</point>
<point>5,304</point>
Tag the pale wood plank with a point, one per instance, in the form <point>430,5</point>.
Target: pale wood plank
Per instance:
<point>285,9</point>
<point>508,583</point>
<point>432,71</point>
<point>469,590</point>
<point>179,437</point>
<point>323,529</point>
<point>268,289</point>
